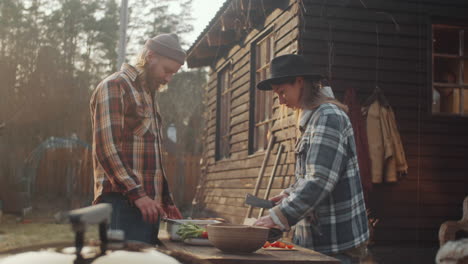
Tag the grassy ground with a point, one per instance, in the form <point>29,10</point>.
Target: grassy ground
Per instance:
<point>35,230</point>
<point>38,227</point>
<point>17,234</point>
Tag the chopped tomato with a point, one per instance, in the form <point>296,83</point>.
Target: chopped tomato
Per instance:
<point>278,244</point>
<point>275,244</point>
<point>281,245</point>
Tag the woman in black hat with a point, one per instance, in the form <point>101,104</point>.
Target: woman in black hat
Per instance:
<point>326,204</point>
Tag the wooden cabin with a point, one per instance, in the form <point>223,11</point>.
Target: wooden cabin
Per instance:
<point>407,48</point>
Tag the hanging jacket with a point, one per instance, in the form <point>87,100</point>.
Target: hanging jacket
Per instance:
<point>385,148</point>
<point>399,152</point>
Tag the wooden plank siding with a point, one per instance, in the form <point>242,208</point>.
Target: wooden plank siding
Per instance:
<point>412,209</point>
<point>226,182</point>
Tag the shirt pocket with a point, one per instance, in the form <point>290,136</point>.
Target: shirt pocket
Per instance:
<point>138,122</point>
<point>301,156</point>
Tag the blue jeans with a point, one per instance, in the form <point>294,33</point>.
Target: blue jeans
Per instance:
<point>128,218</point>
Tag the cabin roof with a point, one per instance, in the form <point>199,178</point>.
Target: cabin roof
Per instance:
<point>231,23</point>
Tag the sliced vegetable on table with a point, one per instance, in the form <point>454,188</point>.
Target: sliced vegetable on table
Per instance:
<point>191,231</point>
<point>278,244</point>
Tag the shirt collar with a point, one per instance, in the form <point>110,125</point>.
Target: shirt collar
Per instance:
<point>130,71</point>
<point>307,113</point>
<point>304,118</point>
<point>328,92</point>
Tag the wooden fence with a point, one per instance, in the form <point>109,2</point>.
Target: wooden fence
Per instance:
<point>68,173</point>
<point>182,174</point>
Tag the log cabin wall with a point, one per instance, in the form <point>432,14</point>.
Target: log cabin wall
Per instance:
<point>412,209</point>
<point>436,146</point>
<point>225,182</point>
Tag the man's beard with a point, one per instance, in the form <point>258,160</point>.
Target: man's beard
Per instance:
<point>156,86</point>
<point>153,83</point>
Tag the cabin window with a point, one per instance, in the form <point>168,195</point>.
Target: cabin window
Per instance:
<point>449,69</point>
<point>223,118</point>
<point>262,103</point>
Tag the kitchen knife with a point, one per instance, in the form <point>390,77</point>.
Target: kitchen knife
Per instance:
<point>258,202</point>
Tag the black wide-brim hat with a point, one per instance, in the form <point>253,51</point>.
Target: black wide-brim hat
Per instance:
<point>290,65</point>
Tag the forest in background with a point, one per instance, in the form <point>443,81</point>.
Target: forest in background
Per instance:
<point>52,55</point>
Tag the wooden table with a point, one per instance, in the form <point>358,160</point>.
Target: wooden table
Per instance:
<point>215,256</point>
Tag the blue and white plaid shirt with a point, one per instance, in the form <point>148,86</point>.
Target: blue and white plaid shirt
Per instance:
<point>326,204</point>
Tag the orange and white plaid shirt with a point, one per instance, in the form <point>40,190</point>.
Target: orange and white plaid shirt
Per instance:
<point>127,156</point>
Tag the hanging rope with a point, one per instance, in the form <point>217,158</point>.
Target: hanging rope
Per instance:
<point>421,24</point>
<point>331,52</point>
<point>331,44</point>
<point>377,56</point>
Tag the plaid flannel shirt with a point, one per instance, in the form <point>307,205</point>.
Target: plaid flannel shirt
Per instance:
<point>326,204</point>
<point>127,139</point>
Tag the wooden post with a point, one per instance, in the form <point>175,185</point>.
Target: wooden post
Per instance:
<point>272,177</point>
<point>260,174</point>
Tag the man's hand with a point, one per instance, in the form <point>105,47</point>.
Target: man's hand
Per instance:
<point>172,212</point>
<point>150,209</point>
<point>278,198</point>
<point>266,221</point>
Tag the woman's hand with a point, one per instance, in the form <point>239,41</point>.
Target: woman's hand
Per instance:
<point>266,221</point>
<point>278,198</point>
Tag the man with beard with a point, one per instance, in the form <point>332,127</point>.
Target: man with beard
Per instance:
<point>126,126</point>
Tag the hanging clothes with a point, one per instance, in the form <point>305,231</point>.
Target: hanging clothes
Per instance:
<point>387,156</point>
<point>360,135</point>
<point>400,157</point>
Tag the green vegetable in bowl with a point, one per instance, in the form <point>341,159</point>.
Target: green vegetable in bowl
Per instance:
<point>190,231</point>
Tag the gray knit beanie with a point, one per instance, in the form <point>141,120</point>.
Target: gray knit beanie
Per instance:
<point>167,45</point>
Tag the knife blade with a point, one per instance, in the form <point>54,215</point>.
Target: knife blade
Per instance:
<point>258,202</point>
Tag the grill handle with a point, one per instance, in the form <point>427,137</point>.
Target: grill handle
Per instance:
<point>96,214</point>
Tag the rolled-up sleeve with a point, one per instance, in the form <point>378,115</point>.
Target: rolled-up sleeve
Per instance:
<point>108,122</point>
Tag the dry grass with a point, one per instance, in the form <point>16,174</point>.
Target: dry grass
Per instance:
<point>34,231</point>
